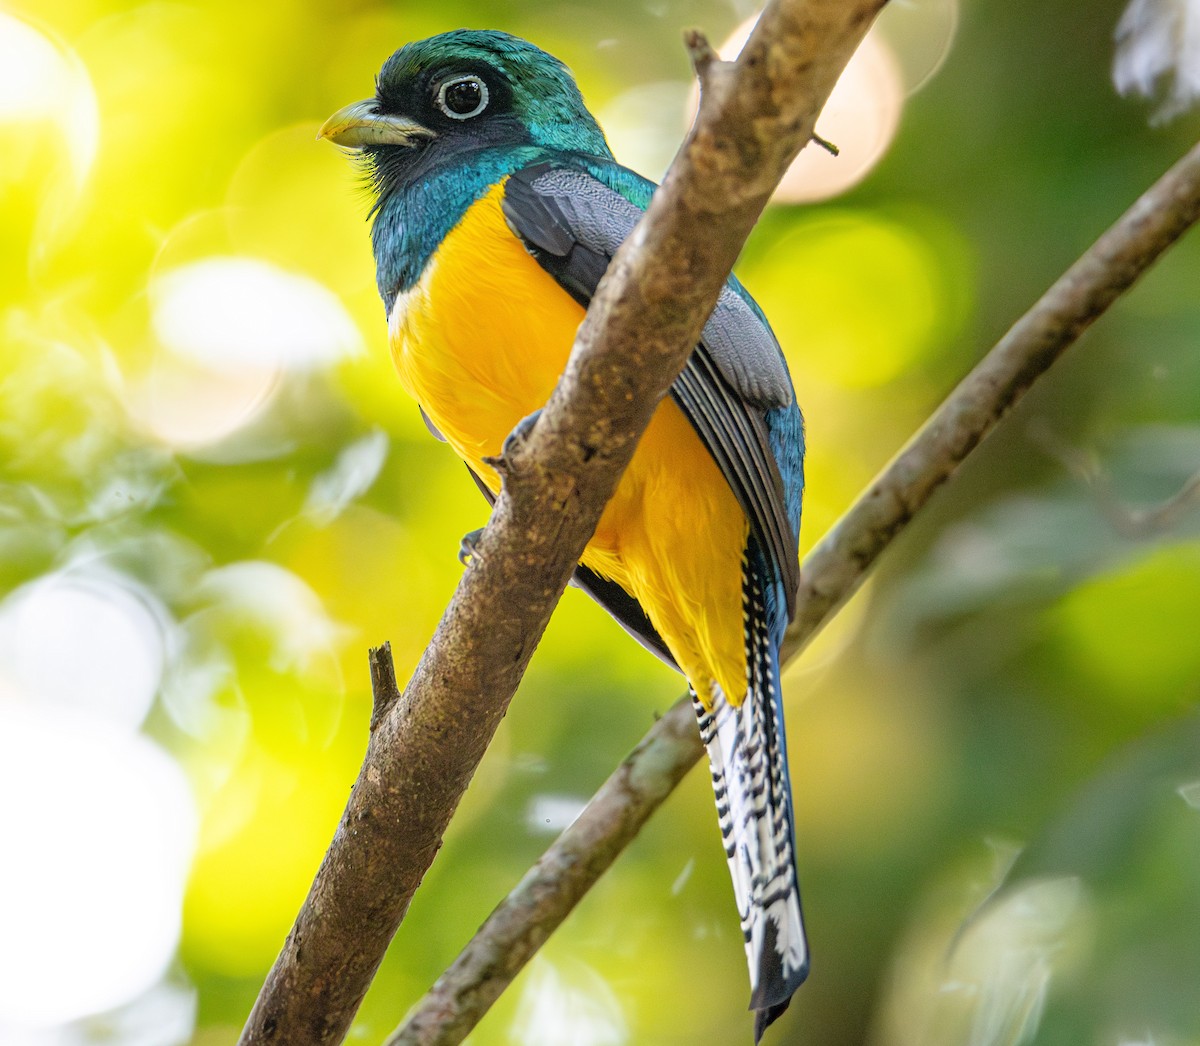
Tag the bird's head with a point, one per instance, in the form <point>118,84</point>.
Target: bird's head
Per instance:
<point>464,91</point>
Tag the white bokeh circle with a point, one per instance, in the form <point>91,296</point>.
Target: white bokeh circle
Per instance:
<point>99,827</point>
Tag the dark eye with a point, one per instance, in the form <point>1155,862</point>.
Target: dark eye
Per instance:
<point>462,97</point>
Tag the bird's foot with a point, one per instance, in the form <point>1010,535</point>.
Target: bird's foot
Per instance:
<point>468,548</point>
<point>519,435</point>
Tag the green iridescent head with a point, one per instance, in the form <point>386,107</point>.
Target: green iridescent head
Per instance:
<point>466,91</point>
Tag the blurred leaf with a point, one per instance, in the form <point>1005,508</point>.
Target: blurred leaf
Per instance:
<point>1132,837</point>
<point>356,468</point>
<point>1036,544</point>
<point>1133,631</point>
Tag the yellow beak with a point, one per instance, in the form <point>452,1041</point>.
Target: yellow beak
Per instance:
<point>362,123</point>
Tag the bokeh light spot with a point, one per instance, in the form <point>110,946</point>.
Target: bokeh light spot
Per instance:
<point>43,85</point>
<point>920,34</point>
<point>52,627</point>
<point>229,330</point>
<point>860,118</point>
<point>1134,630</point>
<point>855,299</point>
<point>553,813</point>
<point>31,70</point>
<point>188,406</point>
<point>230,313</point>
<point>575,1006</point>
<point>90,897</point>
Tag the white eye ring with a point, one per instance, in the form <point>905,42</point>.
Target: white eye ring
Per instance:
<point>470,79</point>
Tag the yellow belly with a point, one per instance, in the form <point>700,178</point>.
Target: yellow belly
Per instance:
<point>480,343</point>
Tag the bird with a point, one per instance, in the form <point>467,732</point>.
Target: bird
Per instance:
<point>497,206</point>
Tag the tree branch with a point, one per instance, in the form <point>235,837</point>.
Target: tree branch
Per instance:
<point>1127,520</point>
<point>755,115</point>
<point>831,573</point>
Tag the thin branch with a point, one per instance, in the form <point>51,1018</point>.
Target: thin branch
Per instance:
<point>1127,520</point>
<point>832,572</point>
<point>754,117</point>
<point>1154,520</point>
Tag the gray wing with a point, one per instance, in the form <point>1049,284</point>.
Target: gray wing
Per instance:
<point>572,224</point>
<point>578,222</point>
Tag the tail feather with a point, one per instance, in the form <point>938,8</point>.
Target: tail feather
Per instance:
<point>747,753</point>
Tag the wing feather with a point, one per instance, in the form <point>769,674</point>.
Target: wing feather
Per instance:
<point>572,224</point>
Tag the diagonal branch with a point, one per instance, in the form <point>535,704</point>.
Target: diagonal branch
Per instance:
<point>755,115</point>
<point>832,572</point>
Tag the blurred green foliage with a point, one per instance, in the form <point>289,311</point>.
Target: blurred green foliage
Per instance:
<point>1020,678</point>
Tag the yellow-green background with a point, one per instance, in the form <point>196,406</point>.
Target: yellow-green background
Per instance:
<point>1019,677</point>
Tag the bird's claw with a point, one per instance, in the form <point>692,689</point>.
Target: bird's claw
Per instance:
<point>520,433</point>
<point>512,442</point>
<point>468,547</point>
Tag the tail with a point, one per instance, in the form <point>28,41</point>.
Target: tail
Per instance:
<point>747,751</point>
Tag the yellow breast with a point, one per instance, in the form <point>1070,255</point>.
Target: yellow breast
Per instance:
<point>480,342</point>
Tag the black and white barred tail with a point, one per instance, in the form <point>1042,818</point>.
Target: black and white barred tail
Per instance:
<point>747,752</point>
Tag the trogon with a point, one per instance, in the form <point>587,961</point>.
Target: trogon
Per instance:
<point>498,205</point>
